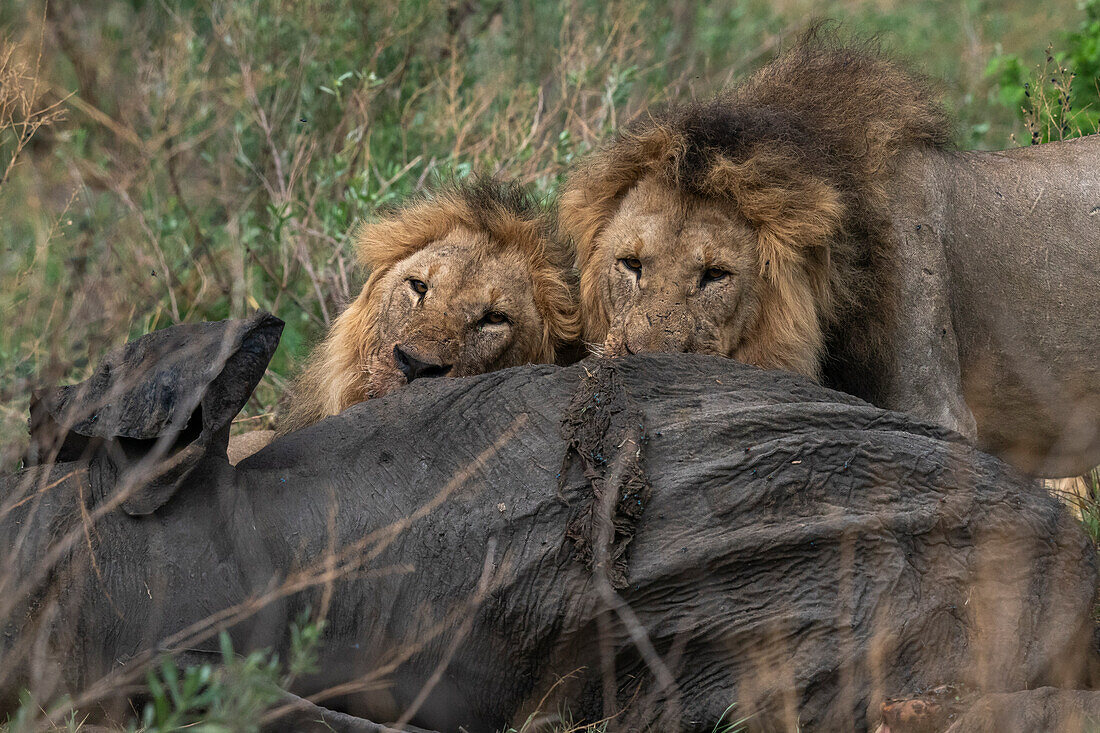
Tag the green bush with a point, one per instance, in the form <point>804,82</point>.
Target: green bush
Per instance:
<point>1059,98</point>
<point>229,696</point>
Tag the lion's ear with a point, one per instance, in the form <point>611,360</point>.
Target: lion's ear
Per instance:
<point>383,243</point>
<point>593,192</point>
<point>791,214</point>
<point>795,215</point>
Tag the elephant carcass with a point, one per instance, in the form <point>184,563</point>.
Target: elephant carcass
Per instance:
<point>671,538</point>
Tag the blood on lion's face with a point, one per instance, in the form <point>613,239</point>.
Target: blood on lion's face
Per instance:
<point>458,307</point>
<point>677,273</point>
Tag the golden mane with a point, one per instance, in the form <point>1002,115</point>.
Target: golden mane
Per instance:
<point>335,377</point>
<point>800,150</point>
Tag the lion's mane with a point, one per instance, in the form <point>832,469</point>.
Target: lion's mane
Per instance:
<point>802,150</point>
<point>335,377</point>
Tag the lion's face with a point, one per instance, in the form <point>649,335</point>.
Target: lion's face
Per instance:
<point>463,281</point>
<point>676,274</point>
<point>457,307</point>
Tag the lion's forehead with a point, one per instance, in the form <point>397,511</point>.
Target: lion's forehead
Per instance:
<point>472,274</point>
<point>690,233</point>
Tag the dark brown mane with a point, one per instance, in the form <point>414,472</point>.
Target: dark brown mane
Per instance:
<point>801,149</point>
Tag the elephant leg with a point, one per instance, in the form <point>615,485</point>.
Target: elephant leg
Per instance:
<point>927,375</point>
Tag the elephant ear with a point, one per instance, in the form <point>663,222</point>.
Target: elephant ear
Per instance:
<point>159,406</point>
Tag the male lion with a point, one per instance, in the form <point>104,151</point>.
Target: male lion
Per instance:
<point>462,282</point>
<point>815,219</point>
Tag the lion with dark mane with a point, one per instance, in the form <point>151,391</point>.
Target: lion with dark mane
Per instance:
<point>464,281</point>
<point>815,219</point>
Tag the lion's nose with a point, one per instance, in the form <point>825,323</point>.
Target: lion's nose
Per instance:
<point>414,367</point>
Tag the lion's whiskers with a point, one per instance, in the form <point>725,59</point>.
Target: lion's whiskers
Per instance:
<point>599,350</point>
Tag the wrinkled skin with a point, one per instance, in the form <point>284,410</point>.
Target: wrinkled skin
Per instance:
<point>998,324</point>
<point>476,313</point>
<point>796,551</point>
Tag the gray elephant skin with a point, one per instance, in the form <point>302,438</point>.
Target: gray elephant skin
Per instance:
<point>657,538</point>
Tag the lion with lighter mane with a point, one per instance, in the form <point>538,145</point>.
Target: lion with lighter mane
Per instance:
<point>465,281</point>
<point>816,219</point>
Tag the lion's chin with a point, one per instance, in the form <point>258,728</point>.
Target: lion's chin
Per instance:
<point>385,379</point>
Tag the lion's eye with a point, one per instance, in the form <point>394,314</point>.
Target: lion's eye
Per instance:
<point>494,318</point>
<point>711,274</point>
<point>419,286</point>
<point>633,264</point>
